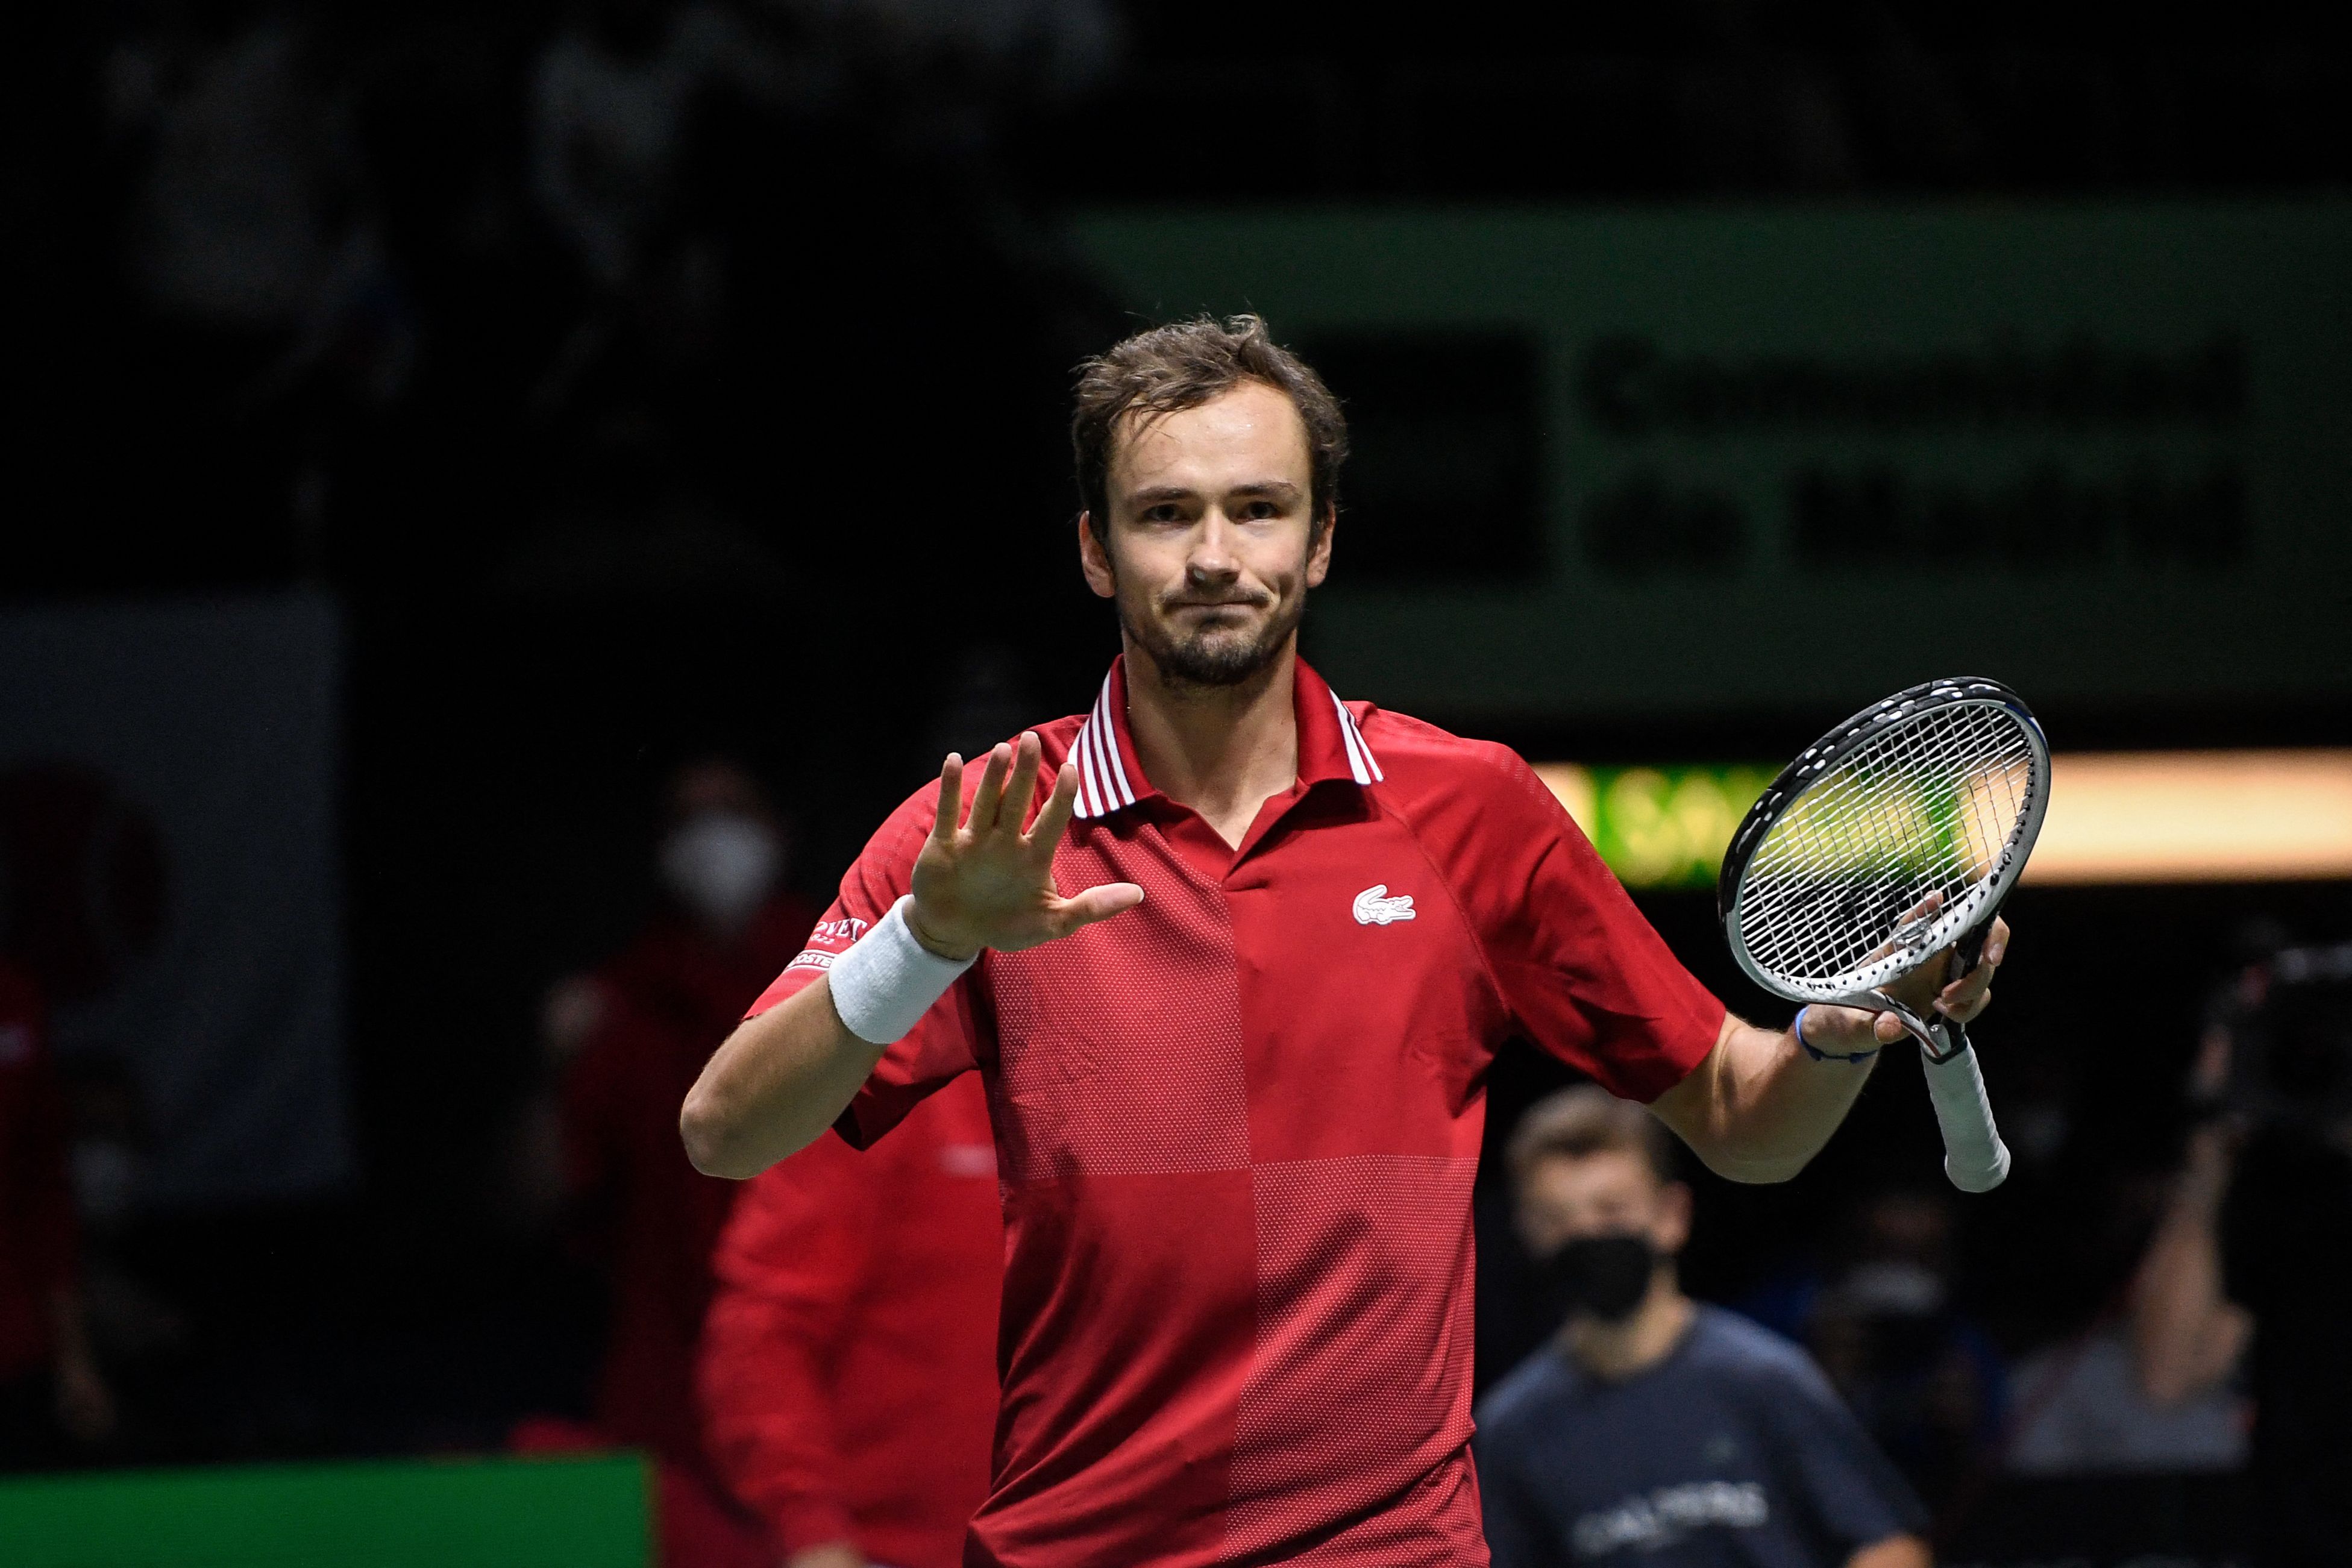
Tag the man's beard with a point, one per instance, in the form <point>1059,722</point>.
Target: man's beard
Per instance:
<point>1213,657</point>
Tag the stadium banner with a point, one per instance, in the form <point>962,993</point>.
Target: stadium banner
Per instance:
<point>169,874</point>
<point>1659,462</point>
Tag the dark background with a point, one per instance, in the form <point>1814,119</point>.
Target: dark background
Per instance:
<point>797,488</point>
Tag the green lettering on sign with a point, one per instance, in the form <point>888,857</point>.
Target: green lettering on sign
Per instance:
<point>1659,827</point>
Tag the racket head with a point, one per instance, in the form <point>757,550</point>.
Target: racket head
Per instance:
<point>1885,841</point>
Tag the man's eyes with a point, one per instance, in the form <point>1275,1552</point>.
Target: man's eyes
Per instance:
<point>1248,511</point>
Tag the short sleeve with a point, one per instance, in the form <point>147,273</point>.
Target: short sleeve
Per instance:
<point>946,1043</point>
<point>1584,976</point>
<point>1850,1493</point>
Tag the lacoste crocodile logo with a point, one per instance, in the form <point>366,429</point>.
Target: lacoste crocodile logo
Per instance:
<point>1375,908</point>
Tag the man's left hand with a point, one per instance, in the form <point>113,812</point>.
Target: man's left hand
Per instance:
<point>1847,1031</point>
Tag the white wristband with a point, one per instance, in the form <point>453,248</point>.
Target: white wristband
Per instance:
<point>886,980</point>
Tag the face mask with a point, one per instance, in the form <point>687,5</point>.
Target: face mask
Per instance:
<point>720,865</point>
<point>1603,1277</point>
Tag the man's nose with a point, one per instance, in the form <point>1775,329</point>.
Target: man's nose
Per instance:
<point>1212,558</point>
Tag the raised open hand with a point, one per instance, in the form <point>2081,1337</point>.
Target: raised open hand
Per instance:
<point>981,881</point>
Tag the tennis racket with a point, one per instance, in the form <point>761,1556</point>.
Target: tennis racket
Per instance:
<point>1888,843</point>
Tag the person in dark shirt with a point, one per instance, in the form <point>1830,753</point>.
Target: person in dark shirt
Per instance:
<point>1653,1431</point>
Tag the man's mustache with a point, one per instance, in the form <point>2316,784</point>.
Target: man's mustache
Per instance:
<point>1188,602</point>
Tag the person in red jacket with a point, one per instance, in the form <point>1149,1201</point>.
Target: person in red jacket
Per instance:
<point>646,1021</point>
<point>849,1372</point>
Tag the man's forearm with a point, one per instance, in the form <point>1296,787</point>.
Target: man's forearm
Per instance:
<point>1757,1108</point>
<point>774,1088</point>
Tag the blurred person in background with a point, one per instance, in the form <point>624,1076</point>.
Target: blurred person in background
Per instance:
<point>610,97</point>
<point>2254,1250</point>
<point>55,1403</point>
<point>646,1022</point>
<point>2084,1405</point>
<point>849,1365</point>
<point>132,1325</point>
<point>1655,1430</point>
<point>1925,1379</point>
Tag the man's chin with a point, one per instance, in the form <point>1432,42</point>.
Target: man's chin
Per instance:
<point>1227,665</point>
<point>1216,659</point>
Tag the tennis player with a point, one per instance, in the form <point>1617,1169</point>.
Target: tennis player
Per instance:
<point>1233,956</point>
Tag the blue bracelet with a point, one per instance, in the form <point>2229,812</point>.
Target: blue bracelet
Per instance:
<point>1798,1029</point>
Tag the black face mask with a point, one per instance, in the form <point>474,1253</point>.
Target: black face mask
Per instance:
<point>1604,1277</point>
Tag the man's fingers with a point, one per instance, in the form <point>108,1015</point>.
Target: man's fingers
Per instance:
<point>949,810</point>
<point>1022,789</point>
<point>1960,993</point>
<point>1096,904</point>
<point>1054,814</point>
<point>990,795</point>
<point>1966,1012</point>
<point>1964,996</point>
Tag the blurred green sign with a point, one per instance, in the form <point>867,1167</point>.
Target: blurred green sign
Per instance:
<point>1658,828</point>
<point>1675,462</point>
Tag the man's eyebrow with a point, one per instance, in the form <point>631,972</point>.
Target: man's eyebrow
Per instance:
<point>1152,495</point>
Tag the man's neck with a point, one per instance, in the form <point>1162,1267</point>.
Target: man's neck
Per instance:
<point>1613,1351</point>
<point>1223,751</point>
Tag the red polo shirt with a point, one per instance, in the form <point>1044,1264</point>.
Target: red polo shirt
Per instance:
<point>1236,1129</point>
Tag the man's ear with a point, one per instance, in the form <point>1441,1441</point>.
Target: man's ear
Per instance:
<point>1094,559</point>
<point>1671,1230</point>
<point>1318,552</point>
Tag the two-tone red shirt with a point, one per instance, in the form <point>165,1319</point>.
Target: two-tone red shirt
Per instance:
<point>1236,1129</point>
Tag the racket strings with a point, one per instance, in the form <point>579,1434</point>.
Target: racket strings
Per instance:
<point>1879,854</point>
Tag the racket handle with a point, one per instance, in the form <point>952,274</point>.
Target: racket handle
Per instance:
<point>1974,1156</point>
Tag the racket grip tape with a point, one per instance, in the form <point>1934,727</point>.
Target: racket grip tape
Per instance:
<point>1974,1156</point>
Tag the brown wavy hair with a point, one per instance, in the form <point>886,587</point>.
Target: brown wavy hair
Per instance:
<point>1182,365</point>
<point>1586,1120</point>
